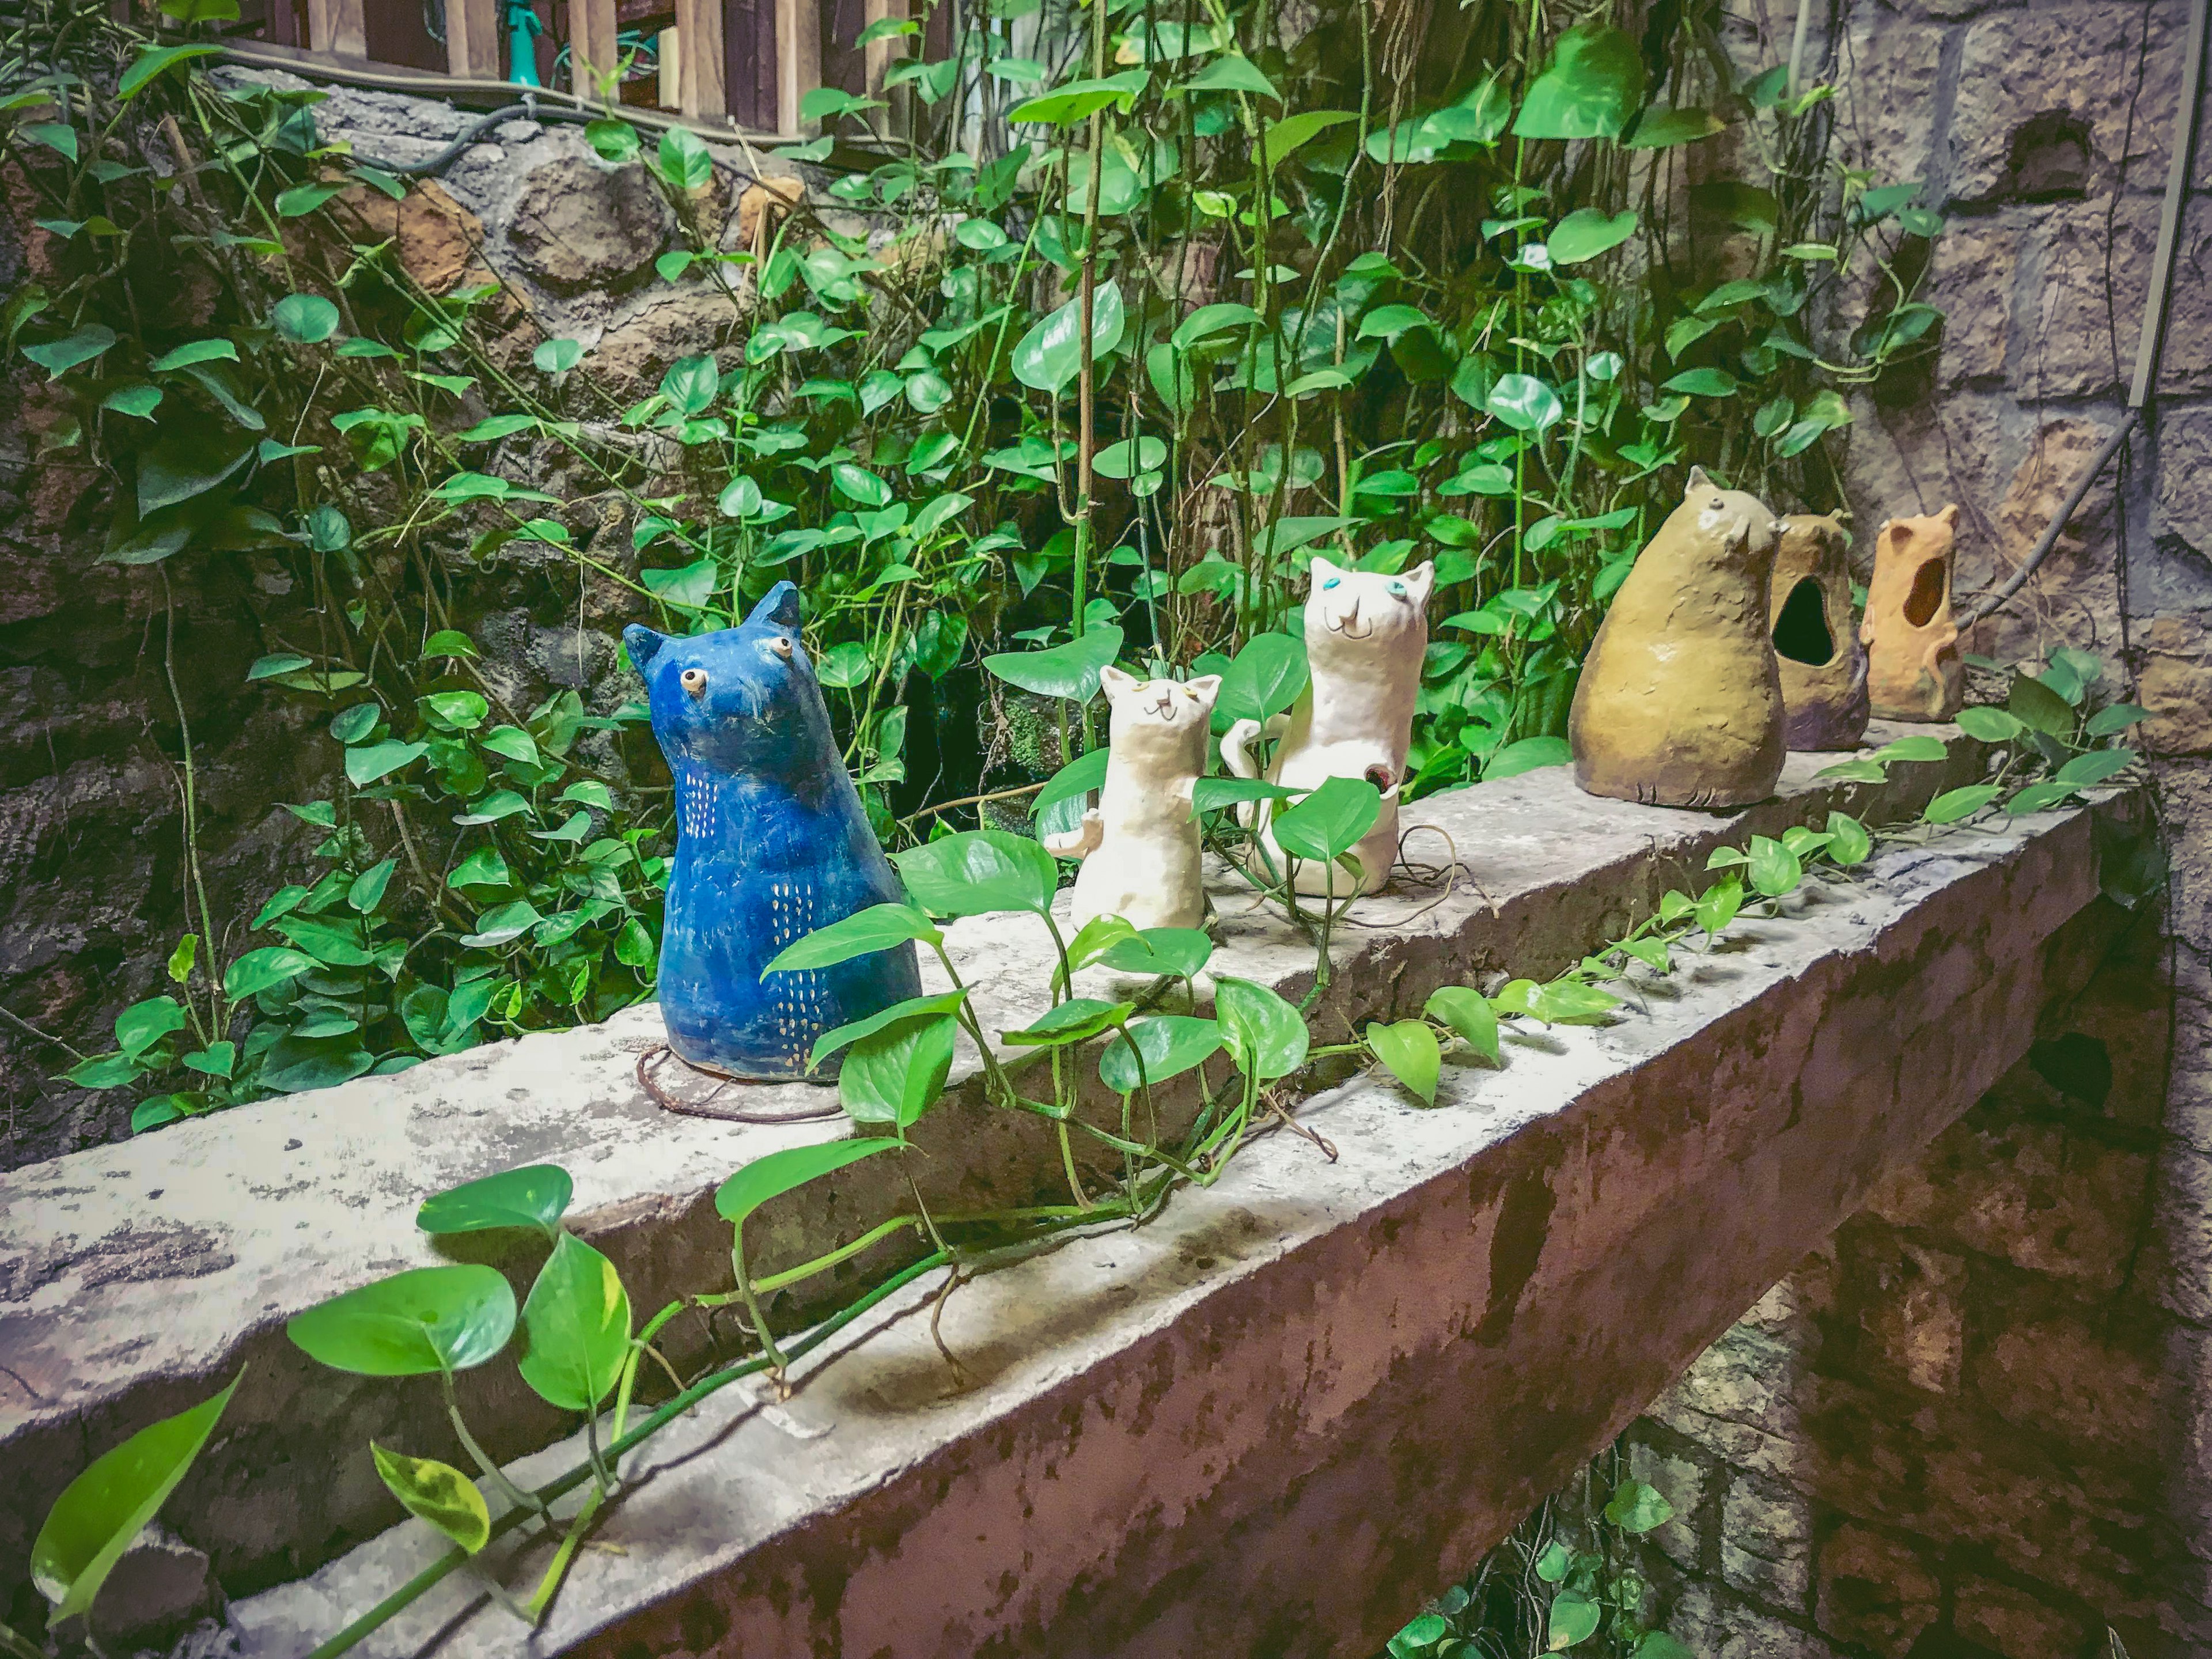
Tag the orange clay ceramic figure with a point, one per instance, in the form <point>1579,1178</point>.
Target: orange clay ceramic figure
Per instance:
<point>1914,672</point>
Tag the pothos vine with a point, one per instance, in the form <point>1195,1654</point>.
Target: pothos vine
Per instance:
<point>1143,319</point>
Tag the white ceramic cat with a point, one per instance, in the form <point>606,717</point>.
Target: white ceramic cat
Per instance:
<point>1139,846</point>
<point>1366,634</point>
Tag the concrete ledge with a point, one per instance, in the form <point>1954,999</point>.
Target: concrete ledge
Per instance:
<point>134,1278</point>
<point>1270,1421</point>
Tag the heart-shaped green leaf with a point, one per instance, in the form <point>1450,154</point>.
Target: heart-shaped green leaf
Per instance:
<point>1636,1507</point>
<point>1076,1020</point>
<point>1991,725</point>
<point>1050,356</point>
<point>1590,89</point>
<point>1180,952</point>
<point>1588,231</point>
<point>575,1327</point>
<point>1849,842</point>
<point>535,1195</point>
<point>840,1037</point>
<point>896,1074</point>
<point>1524,403</point>
<point>415,1323</point>
<point>1267,1035</point>
<point>978,871</point>
<point>1954,805</point>
<point>1409,1048</point>
<point>1169,1046</point>
<point>436,1492</point>
<point>1069,670</point>
<point>778,1173</point>
<point>305,317</point>
<point>1328,823</point>
<point>1469,1013</point>
<point>101,1512</point>
<point>879,927</point>
<point>1264,679</point>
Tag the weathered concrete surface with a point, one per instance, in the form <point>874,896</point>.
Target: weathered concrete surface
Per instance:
<point>1269,1422</point>
<point>134,1279</point>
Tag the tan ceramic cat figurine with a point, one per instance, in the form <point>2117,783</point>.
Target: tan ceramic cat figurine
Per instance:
<point>1139,846</point>
<point>1366,633</point>
<point>1914,671</point>
<point>1680,702</point>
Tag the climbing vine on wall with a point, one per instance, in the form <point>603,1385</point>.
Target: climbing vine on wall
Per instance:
<point>1155,307</point>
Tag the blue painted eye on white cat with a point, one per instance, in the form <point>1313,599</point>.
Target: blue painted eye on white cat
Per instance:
<point>1330,583</point>
<point>1398,590</point>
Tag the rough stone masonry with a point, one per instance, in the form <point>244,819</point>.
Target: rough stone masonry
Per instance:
<point>1975,1422</point>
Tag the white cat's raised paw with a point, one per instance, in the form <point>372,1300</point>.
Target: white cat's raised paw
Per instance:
<point>1079,842</point>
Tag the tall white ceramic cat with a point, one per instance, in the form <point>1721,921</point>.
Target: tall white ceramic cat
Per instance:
<point>1365,636</point>
<point>1139,846</point>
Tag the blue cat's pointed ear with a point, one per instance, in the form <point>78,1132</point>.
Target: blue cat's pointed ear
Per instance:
<point>780,608</point>
<point>642,644</point>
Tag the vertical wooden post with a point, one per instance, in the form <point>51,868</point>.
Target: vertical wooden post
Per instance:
<point>797,61</point>
<point>700,90</point>
<point>876,63</point>
<point>668,51</point>
<point>335,27</point>
<point>472,39</point>
<point>592,51</point>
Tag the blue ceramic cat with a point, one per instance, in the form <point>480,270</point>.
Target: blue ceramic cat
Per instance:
<point>771,844</point>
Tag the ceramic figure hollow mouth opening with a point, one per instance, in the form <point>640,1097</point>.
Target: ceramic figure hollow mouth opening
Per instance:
<point>1914,669</point>
<point>1680,702</point>
<point>1816,644</point>
<point>771,844</point>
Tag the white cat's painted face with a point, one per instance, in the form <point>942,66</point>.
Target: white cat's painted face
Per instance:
<point>1348,611</point>
<point>1159,717</point>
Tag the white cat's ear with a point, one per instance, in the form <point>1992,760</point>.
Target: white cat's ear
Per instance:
<point>1116,684</point>
<point>1207,686</point>
<point>1322,570</point>
<point>1421,581</point>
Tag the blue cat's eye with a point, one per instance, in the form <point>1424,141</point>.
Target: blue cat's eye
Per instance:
<point>1330,583</point>
<point>1399,589</point>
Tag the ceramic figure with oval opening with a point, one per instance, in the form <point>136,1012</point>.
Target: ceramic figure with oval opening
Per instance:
<point>1816,640</point>
<point>1366,633</point>
<point>771,844</point>
<point>1914,670</point>
<point>1680,702</point>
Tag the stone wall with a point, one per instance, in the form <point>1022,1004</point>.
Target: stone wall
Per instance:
<point>1974,1423</point>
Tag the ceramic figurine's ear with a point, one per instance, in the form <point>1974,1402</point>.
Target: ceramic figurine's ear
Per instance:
<point>1950,515</point>
<point>780,608</point>
<point>1698,481</point>
<point>1116,684</point>
<point>642,644</point>
<point>1323,571</point>
<point>1207,686</point>
<point>1422,580</point>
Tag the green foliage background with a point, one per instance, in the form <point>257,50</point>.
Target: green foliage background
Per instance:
<point>1162,300</point>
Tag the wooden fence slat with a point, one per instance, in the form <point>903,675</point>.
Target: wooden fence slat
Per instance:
<point>335,27</point>
<point>877,61</point>
<point>699,31</point>
<point>592,51</point>
<point>472,39</point>
<point>798,60</point>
